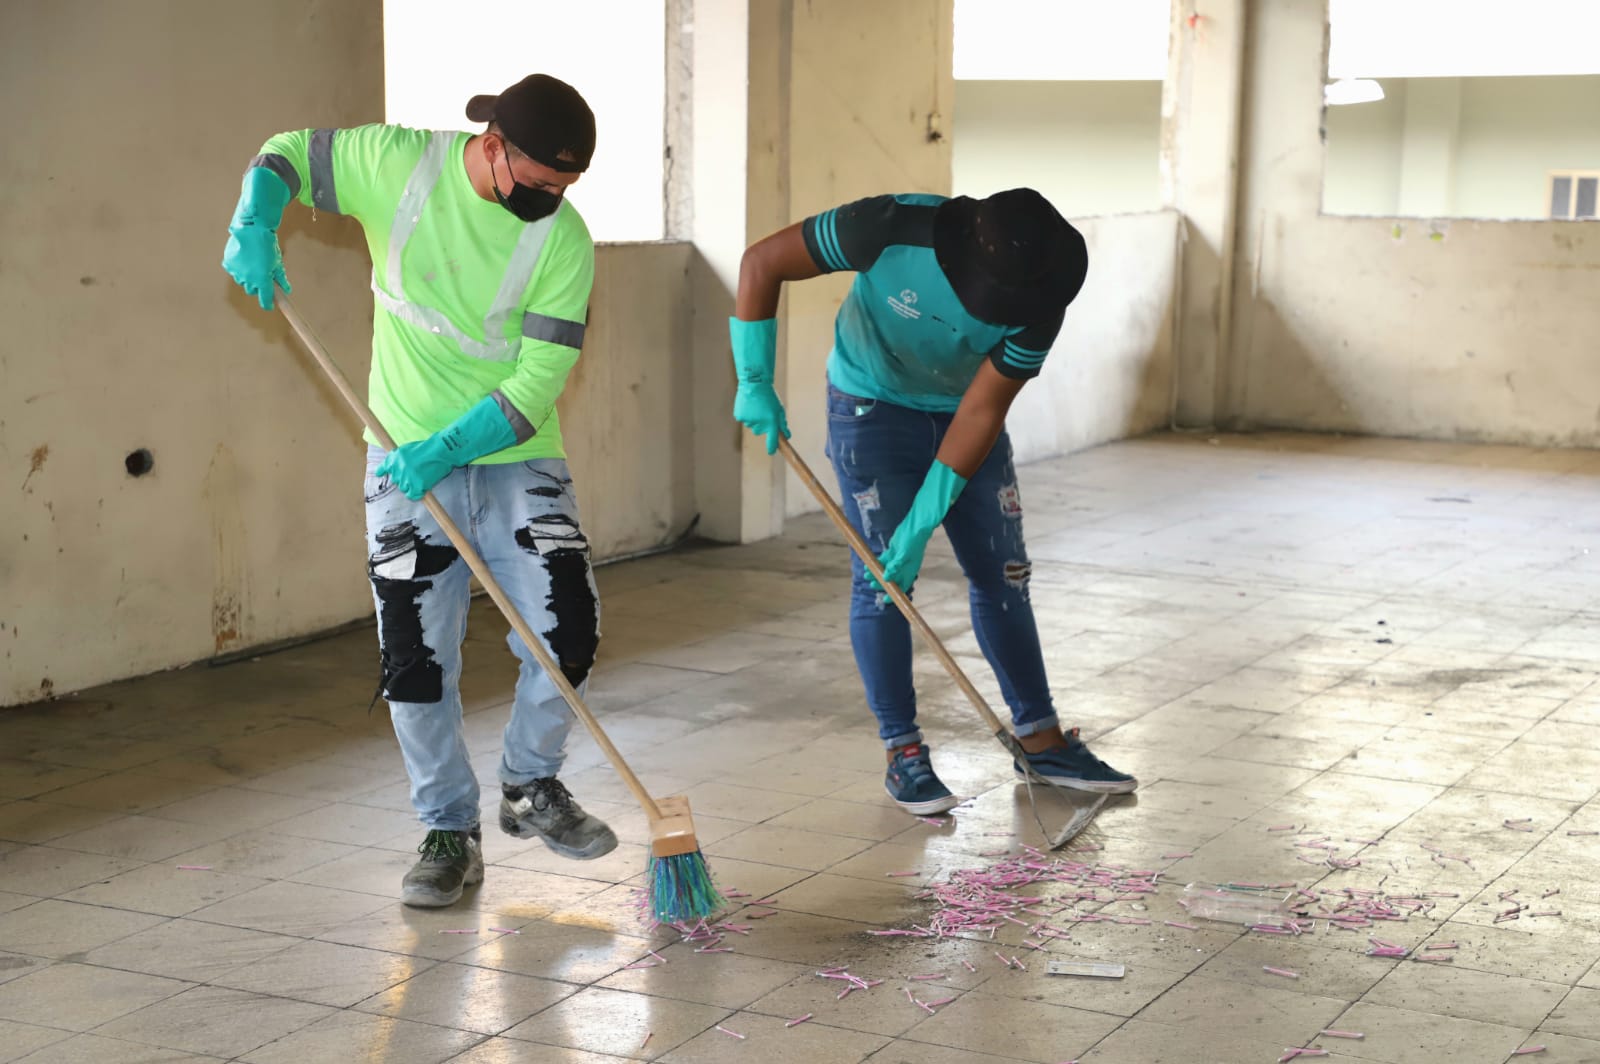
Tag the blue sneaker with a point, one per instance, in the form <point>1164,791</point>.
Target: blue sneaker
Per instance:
<point>913,786</point>
<point>1075,767</point>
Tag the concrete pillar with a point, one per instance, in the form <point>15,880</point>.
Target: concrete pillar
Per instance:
<point>793,109</point>
<point>1200,116</point>
<point>1428,147</point>
<point>730,135</point>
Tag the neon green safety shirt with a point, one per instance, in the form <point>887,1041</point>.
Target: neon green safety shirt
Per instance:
<point>469,299</point>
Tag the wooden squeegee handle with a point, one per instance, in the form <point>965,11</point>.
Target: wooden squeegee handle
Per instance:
<point>901,599</point>
<point>471,557</point>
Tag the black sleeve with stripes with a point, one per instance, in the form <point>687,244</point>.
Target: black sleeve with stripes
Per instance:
<point>1021,355</point>
<point>852,237</point>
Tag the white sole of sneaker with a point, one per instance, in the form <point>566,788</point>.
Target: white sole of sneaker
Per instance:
<point>1092,786</point>
<point>938,805</point>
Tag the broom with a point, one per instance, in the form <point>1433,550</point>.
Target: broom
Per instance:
<point>680,884</point>
<point>1081,815</point>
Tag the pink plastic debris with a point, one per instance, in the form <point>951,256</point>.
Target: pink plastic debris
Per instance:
<point>1286,973</point>
<point>1330,1033</point>
<point>514,931</point>
<point>798,1020</point>
<point>1529,1049</point>
<point>733,1034</point>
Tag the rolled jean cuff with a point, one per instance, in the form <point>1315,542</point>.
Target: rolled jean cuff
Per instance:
<point>1034,727</point>
<point>903,740</point>
<point>452,824</point>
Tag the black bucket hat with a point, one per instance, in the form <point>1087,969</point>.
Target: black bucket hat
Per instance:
<point>1011,258</point>
<point>545,118</point>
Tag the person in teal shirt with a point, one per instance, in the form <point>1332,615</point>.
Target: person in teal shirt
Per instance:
<point>955,306</point>
<point>481,278</point>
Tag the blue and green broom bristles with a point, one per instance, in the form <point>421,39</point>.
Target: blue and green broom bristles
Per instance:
<point>681,888</point>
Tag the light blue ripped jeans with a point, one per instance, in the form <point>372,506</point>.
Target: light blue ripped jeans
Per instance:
<point>522,517</point>
<point>881,453</point>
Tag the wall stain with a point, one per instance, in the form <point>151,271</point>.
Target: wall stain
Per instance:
<point>36,461</point>
<point>229,591</point>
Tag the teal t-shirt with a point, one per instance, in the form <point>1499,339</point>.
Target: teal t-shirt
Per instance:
<point>902,335</point>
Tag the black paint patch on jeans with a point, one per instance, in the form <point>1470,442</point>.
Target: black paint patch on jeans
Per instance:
<point>574,638</point>
<point>410,671</point>
<point>553,490</point>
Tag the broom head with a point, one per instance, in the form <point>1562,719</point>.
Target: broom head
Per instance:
<point>681,887</point>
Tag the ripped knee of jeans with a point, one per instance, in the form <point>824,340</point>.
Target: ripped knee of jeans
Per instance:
<point>868,503</point>
<point>574,633</point>
<point>399,568</point>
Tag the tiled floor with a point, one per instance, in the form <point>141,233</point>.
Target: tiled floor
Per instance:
<point>1366,639</point>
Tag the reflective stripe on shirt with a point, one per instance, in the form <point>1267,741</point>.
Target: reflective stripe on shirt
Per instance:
<point>496,346</point>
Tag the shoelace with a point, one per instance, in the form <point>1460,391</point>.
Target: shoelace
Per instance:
<point>554,793</point>
<point>439,844</point>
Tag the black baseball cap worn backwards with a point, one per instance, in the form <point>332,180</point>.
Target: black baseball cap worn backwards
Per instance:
<point>1011,258</point>
<point>545,118</point>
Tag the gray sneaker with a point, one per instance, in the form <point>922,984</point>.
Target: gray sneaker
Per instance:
<point>545,810</point>
<point>450,860</point>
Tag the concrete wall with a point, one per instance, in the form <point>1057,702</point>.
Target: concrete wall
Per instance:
<point>124,333</point>
<point>134,122</point>
<point>1091,147</point>
<point>1453,330</point>
<point>1110,374</point>
<point>1460,147</point>
<point>628,412</point>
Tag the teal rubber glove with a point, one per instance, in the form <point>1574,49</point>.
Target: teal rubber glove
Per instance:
<point>416,467</point>
<point>252,257</point>
<point>903,560</point>
<point>755,356</point>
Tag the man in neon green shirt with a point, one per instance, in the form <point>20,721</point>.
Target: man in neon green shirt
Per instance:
<point>481,279</point>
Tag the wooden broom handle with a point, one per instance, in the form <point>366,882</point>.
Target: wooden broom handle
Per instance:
<point>901,599</point>
<point>470,556</point>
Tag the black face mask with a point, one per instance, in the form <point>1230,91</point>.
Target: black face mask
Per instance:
<point>526,202</point>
